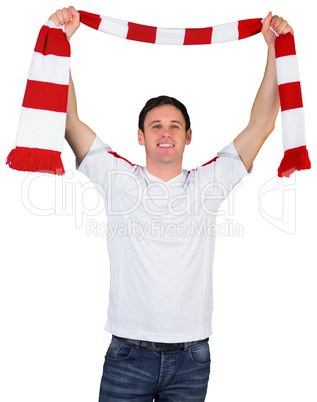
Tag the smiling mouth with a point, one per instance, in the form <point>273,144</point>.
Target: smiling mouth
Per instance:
<point>165,145</point>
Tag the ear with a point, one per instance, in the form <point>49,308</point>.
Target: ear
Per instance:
<point>188,136</point>
<point>140,137</point>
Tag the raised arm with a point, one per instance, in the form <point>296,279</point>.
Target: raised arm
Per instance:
<point>266,104</point>
<point>78,134</point>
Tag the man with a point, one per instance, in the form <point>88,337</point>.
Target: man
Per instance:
<point>161,253</point>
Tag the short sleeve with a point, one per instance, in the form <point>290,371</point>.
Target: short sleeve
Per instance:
<point>225,171</point>
<point>99,161</point>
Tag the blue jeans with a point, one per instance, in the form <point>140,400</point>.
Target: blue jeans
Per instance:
<point>139,374</point>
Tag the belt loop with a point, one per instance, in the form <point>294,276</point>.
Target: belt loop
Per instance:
<point>186,346</point>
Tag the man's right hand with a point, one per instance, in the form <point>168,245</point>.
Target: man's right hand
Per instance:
<point>68,17</point>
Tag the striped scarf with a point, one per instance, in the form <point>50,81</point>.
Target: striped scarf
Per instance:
<point>41,128</point>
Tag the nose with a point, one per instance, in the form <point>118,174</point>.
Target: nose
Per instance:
<point>166,132</point>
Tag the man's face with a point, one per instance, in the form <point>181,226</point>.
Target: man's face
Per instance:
<point>164,135</point>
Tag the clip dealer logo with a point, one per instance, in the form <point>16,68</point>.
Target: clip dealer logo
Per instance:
<point>277,203</point>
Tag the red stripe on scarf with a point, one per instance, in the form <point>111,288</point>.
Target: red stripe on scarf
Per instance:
<point>142,33</point>
<point>285,45</point>
<point>198,36</point>
<point>290,96</point>
<point>45,96</point>
<point>52,41</point>
<point>90,19</point>
<point>249,27</point>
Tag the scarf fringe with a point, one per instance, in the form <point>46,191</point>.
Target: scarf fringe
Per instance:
<point>294,159</point>
<point>35,160</point>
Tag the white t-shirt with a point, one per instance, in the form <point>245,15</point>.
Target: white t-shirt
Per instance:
<point>161,242</point>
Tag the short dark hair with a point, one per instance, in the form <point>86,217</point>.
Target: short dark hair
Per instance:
<point>160,101</point>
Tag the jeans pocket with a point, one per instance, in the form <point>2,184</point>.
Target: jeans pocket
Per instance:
<point>200,354</point>
<point>118,351</point>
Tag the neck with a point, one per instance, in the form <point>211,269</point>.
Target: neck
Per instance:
<point>164,172</point>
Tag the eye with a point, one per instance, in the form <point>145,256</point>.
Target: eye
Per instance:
<point>156,126</point>
<point>174,126</point>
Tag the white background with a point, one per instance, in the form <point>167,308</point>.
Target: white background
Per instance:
<point>54,273</point>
